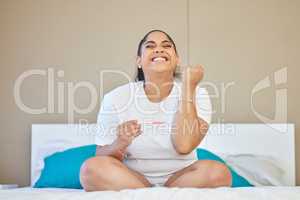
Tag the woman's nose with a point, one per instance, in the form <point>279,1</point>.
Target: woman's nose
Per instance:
<point>159,50</point>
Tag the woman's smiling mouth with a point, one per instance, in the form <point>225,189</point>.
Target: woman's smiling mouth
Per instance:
<point>159,59</point>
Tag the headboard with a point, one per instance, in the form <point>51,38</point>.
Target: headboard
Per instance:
<point>275,140</point>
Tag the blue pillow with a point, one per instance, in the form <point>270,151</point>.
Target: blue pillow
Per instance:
<point>237,180</point>
<point>62,168</point>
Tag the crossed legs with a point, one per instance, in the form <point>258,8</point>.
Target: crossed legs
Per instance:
<point>107,173</point>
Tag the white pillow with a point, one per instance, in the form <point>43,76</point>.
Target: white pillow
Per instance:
<point>259,170</point>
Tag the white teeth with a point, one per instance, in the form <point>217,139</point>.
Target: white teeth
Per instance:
<point>159,59</point>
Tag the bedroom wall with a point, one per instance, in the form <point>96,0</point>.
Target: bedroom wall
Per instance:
<point>239,42</point>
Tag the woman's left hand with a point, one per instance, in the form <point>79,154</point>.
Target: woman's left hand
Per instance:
<point>192,75</point>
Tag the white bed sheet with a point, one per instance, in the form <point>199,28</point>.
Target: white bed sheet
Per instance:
<point>224,193</point>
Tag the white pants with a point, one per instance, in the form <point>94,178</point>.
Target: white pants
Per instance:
<point>157,172</point>
<point>158,181</point>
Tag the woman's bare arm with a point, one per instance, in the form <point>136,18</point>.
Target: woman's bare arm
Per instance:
<point>189,128</point>
<point>111,150</point>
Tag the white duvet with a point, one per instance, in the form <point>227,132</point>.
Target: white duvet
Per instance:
<point>223,193</point>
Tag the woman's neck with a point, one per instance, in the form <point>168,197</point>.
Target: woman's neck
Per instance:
<point>158,89</point>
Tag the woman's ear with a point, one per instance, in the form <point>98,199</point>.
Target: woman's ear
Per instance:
<point>138,61</point>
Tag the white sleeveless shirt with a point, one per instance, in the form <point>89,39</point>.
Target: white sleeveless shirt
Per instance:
<point>152,152</point>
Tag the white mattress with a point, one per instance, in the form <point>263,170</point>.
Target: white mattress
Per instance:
<point>224,193</point>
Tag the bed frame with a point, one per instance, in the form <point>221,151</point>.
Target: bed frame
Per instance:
<point>275,140</point>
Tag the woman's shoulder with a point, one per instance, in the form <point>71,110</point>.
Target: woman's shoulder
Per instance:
<point>122,92</point>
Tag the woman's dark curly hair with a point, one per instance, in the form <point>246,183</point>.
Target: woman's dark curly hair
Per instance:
<point>140,74</point>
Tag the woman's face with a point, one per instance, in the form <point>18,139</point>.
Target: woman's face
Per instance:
<point>158,54</point>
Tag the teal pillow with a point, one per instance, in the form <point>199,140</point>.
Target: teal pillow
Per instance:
<point>237,180</point>
<point>61,169</point>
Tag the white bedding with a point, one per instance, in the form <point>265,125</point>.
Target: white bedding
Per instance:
<point>224,193</point>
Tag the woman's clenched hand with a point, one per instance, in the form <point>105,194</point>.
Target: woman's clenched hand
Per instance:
<point>192,75</point>
<point>126,132</point>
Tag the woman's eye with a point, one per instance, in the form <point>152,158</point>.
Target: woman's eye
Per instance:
<point>167,46</point>
<point>149,46</point>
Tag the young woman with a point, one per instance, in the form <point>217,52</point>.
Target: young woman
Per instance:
<point>150,129</point>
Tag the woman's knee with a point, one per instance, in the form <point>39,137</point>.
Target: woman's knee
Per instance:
<point>218,173</point>
<point>97,164</point>
<point>95,168</point>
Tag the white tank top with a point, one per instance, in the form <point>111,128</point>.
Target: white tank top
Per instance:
<point>152,152</point>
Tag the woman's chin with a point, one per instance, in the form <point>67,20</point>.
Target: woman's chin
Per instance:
<point>160,67</point>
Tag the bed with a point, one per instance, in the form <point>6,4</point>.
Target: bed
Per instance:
<point>266,140</point>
